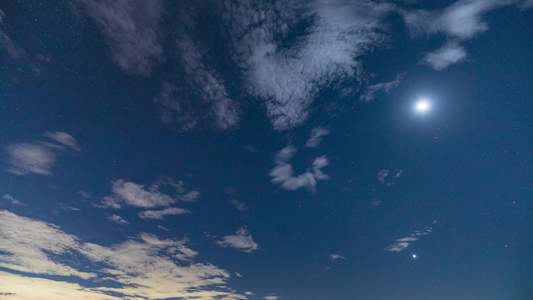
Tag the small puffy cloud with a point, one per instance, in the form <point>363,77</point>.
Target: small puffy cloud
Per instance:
<point>190,196</point>
<point>12,200</point>
<point>271,297</point>
<point>316,136</point>
<point>117,219</point>
<point>449,54</point>
<point>382,174</point>
<point>282,173</point>
<point>336,257</point>
<point>239,275</point>
<point>242,240</point>
<point>27,158</point>
<point>161,214</point>
<point>132,194</point>
<point>64,138</point>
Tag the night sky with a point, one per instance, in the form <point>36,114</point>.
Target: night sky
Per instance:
<point>312,150</point>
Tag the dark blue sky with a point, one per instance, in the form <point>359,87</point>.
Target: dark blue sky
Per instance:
<point>266,150</point>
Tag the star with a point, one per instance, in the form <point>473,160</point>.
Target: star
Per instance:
<point>414,255</point>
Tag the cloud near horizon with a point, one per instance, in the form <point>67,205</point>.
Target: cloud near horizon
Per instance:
<point>138,268</point>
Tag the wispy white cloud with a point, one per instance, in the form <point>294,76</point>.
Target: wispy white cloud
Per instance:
<point>161,214</point>
<point>19,287</point>
<point>190,196</point>
<point>405,242</point>
<point>384,178</point>
<point>132,30</point>
<point>382,174</point>
<point>12,200</point>
<point>117,219</point>
<point>175,108</point>
<point>288,78</point>
<point>25,158</point>
<point>316,136</point>
<point>141,268</point>
<point>282,173</point>
<point>449,54</point>
<point>461,21</point>
<point>163,228</point>
<point>26,245</point>
<point>372,91</point>
<point>208,84</point>
<point>271,297</point>
<point>242,240</point>
<point>239,205</point>
<point>38,157</point>
<point>336,257</point>
<point>64,138</point>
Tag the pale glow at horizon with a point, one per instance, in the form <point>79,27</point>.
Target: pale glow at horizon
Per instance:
<point>422,106</point>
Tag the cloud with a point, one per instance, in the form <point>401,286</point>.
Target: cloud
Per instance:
<point>160,214</point>
<point>131,28</point>
<point>175,108</point>
<point>38,157</point>
<point>242,240</point>
<point>282,173</point>
<point>336,257</point>
<point>138,268</point>
<point>287,69</point>
<point>190,196</point>
<point>117,219</point>
<point>10,47</point>
<point>207,83</point>
<point>373,90</point>
<point>461,21</point>
<point>405,242</point>
<point>20,287</point>
<point>27,158</point>
<point>271,297</point>
<point>163,228</point>
<point>27,245</point>
<point>64,138</point>
<point>239,275</point>
<point>316,136</point>
<point>137,195</point>
<point>12,200</point>
<point>238,205</point>
<point>382,174</point>
<point>447,55</point>
<point>127,193</point>
<point>384,178</point>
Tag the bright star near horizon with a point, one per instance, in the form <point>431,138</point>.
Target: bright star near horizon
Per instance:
<point>422,106</point>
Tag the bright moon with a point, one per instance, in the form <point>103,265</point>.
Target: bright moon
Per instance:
<point>414,255</point>
<point>422,106</point>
